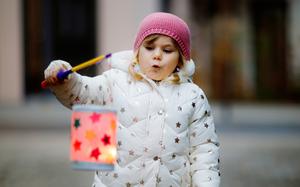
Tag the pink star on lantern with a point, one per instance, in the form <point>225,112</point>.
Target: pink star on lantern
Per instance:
<point>106,140</point>
<point>95,153</point>
<point>95,117</point>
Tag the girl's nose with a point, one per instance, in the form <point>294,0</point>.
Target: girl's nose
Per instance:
<point>157,54</point>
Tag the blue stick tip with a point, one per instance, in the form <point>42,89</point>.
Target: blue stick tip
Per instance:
<point>108,55</point>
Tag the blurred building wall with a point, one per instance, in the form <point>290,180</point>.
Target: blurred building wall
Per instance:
<point>11,52</point>
<point>205,30</point>
<point>246,50</point>
<point>294,42</point>
<point>118,22</point>
<point>181,9</point>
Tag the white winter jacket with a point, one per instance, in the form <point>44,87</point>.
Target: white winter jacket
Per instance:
<point>166,135</point>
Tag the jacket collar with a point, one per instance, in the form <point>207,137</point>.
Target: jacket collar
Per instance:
<point>122,60</point>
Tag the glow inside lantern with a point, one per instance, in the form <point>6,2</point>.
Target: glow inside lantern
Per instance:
<point>93,138</point>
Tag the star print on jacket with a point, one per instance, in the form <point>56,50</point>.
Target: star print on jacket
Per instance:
<point>131,152</point>
<point>119,143</point>
<point>179,108</point>
<point>77,100</point>
<point>206,125</point>
<point>115,175</point>
<point>173,156</point>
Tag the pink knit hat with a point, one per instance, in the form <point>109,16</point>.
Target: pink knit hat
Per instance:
<point>166,24</point>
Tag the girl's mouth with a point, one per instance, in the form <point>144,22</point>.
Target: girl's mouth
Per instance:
<point>155,66</point>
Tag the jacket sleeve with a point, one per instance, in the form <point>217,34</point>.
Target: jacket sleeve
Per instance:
<point>204,145</point>
<point>84,90</point>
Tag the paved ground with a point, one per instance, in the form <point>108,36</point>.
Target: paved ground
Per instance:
<point>35,158</point>
<point>34,149</point>
<point>260,159</point>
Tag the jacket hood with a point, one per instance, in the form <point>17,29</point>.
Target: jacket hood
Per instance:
<point>122,60</point>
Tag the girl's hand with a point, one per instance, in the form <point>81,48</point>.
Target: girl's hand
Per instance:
<point>52,70</point>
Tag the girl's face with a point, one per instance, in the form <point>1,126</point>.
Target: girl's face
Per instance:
<point>158,57</point>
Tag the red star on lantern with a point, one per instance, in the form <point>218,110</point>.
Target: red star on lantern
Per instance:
<point>77,145</point>
<point>95,117</point>
<point>106,140</point>
<point>95,153</point>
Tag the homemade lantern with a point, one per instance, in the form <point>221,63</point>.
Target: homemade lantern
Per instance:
<point>93,138</point>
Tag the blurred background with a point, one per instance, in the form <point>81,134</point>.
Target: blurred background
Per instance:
<point>247,62</point>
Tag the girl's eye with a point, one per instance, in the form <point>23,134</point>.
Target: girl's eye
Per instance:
<point>167,50</point>
<point>149,48</point>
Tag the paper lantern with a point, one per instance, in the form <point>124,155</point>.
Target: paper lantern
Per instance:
<point>93,138</point>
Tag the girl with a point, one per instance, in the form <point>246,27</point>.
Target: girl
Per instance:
<point>166,135</point>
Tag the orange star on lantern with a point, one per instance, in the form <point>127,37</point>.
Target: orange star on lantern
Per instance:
<point>90,135</point>
<point>113,124</point>
<point>95,153</point>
